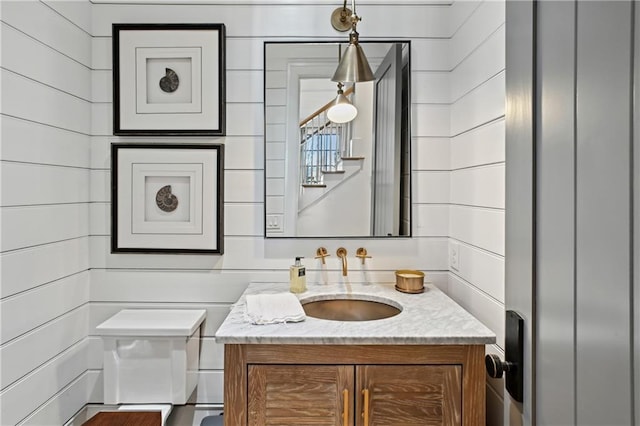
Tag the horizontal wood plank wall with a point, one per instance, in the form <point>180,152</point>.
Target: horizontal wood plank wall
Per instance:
<point>215,282</point>
<point>477,183</point>
<point>44,296</point>
<point>68,146</point>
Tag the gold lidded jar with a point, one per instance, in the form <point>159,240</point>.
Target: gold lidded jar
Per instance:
<point>409,281</point>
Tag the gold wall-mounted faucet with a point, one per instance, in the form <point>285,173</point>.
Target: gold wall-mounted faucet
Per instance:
<point>342,254</point>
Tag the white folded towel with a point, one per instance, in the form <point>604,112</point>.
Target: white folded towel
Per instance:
<point>274,308</point>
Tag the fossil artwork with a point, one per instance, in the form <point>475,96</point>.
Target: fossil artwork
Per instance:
<point>170,82</point>
<point>166,201</point>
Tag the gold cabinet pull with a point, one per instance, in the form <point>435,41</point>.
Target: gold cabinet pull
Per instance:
<point>365,411</point>
<point>345,407</point>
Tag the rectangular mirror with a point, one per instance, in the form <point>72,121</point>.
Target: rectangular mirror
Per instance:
<point>326,179</point>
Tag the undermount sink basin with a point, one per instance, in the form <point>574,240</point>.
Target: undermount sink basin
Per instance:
<point>349,309</point>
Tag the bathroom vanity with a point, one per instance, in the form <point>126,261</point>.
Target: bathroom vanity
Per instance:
<point>423,366</point>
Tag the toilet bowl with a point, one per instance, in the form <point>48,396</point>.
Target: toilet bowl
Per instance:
<point>151,357</point>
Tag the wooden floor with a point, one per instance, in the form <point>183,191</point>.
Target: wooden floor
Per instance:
<point>125,418</point>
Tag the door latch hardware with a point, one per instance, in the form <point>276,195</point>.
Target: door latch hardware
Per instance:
<point>512,367</point>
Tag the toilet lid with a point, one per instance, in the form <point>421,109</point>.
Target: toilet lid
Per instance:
<point>153,322</point>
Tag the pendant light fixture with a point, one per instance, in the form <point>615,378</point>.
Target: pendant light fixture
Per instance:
<point>354,67</point>
<point>341,110</point>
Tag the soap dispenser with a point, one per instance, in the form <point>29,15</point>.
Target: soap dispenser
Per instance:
<point>297,277</point>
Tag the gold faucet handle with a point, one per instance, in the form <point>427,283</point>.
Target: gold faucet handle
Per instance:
<point>362,254</point>
<point>321,253</point>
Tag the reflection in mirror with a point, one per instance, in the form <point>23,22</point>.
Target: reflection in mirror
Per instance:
<point>326,179</point>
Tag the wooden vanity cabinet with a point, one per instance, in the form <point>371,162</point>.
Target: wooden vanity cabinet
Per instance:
<point>393,384</point>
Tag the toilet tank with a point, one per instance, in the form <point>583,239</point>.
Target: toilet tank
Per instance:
<point>151,355</point>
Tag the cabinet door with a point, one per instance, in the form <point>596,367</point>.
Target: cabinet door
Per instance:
<point>421,395</point>
<point>300,394</point>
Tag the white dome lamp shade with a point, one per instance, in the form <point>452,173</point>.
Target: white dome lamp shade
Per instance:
<point>341,109</point>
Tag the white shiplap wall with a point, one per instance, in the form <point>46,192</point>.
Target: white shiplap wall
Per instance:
<point>45,167</point>
<point>477,181</point>
<point>215,282</point>
<point>455,68</point>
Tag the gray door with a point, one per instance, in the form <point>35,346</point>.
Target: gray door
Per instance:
<point>387,144</point>
<point>572,266</point>
<point>519,187</point>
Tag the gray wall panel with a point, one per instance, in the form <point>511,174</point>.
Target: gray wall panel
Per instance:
<point>555,379</point>
<point>603,213</point>
<point>519,187</point>
<point>635,191</point>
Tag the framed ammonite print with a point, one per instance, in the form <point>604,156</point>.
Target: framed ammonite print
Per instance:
<point>169,79</point>
<point>167,198</point>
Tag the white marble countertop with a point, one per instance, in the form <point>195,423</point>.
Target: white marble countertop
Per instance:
<point>429,318</point>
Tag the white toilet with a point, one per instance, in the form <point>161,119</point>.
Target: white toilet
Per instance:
<point>151,356</point>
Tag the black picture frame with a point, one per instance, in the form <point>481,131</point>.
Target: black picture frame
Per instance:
<point>193,101</point>
<point>192,222</point>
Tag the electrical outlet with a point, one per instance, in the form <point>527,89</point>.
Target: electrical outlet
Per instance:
<point>274,222</point>
<point>454,256</point>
